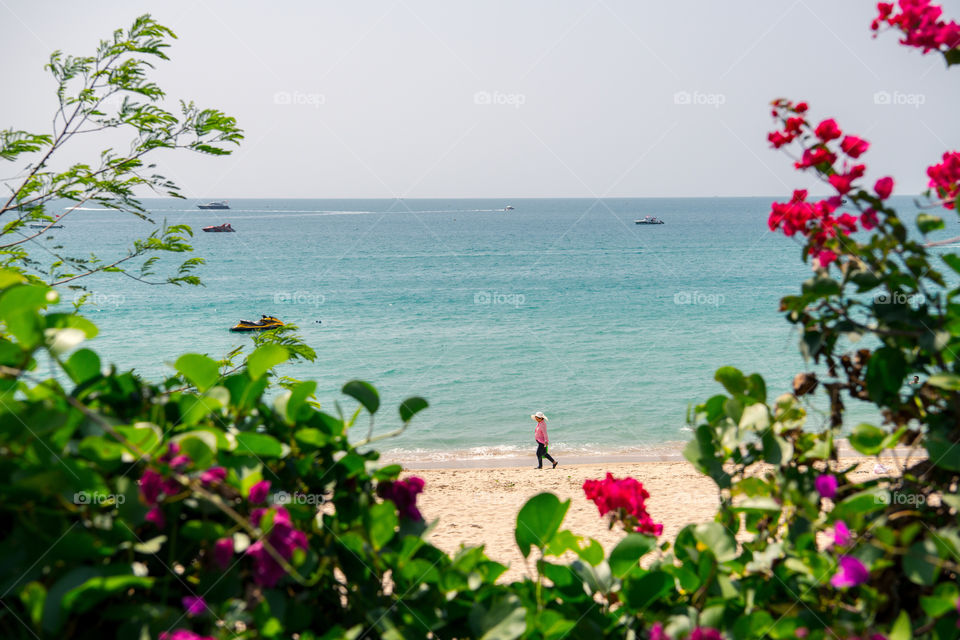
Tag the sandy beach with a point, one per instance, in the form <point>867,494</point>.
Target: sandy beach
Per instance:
<point>479,505</point>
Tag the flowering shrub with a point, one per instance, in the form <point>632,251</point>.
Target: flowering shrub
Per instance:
<point>624,500</point>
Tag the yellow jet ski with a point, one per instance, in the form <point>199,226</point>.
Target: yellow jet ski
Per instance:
<point>263,324</point>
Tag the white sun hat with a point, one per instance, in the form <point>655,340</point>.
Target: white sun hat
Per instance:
<point>538,414</point>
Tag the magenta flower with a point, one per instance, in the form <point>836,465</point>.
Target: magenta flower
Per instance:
<point>841,534</point>
<point>195,605</point>
<point>257,515</point>
<point>626,499</point>
<point>223,552</point>
<point>183,634</point>
<point>826,485</point>
<point>657,633</point>
<point>180,462</point>
<point>213,475</point>
<point>151,484</point>
<point>852,572</point>
<point>285,540</point>
<point>403,493</point>
<point>156,516</point>
<point>259,491</point>
<point>884,187</point>
<point>705,633</point>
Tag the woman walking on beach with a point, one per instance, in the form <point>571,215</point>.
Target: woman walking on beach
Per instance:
<point>540,434</point>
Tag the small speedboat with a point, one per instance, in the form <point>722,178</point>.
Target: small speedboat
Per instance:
<point>220,228</point>
<point>263,324</point>
<point>216,204</point>
<point>46,226</point>
<point>508,208</point>
<point>649,220</point>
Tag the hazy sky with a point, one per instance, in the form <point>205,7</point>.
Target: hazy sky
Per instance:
<point>509,98</point>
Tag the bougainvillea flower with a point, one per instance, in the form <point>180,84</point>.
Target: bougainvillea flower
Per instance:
<point>285,540</point>
<point>841,534</point>
<point>828,130</point>
<point>705,633</point>
<point>213,475</point>
<point>854,146</point>
<point>945,178</point>
<point>625,499</point>
<point>194,605</point>
<point>403,493</point>
<point>884,187</point>
<point>151,484</point>
<point>259,491</point>
<point>223,552</point>
<point>826,485</point>
<point>183,634</point>
<point>156,516</point>
<point>852,572</point>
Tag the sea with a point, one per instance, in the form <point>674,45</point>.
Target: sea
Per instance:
<point>565,306</point>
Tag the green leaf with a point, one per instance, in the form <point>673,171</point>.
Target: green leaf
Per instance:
<point>885,373</point>
<point>250,443</point>
<point>947,381</point>
<point>364,393</point>
<point>33,596</point>
<point>298,398</point>
<point>942,452</point>
<point>265,358</point>
<point>505,619</point>
<point>141,437</point>
<point>82,365</point>
<point>952,56</point>
<point>411,406</point>
<point>867,439</point>
<point>85,596</point>
<point>626,555</point>
<point>641,592</point>
<point>717,539</point>
<point>927,223</point>
<point>199,370</point>
<point>311,438</point>
<point>381,522</point>
<point>916,565</point>
<point>731,379</point>
<point>538,521</point>
<point>901,628</point>
<point>201,446</point>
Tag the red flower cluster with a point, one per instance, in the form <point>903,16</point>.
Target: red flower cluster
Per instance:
<point>945,178</point>
<point>403,493</point>
<point>625,500</point>
<point>816,220</point>
<point>920,23</point>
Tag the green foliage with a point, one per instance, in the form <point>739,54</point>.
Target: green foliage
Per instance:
<point>109,90</point>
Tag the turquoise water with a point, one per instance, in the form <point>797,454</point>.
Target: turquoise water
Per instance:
<point>564,306</point>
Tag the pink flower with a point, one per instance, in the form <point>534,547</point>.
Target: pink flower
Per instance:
<point>841,534</point>
<point>854,146</point>
<point>945,178</point>
<point>285,540</point>
<point>259,491</point>
<point>223,552</point>
<point>828,130</point>
<point>869,219</point>
<point>180,462</point>
<point>403,493</point>
<point>825,257</point>
<point>884,187</point>
<point>920,23</point>
<point>657,632</point>
<point>195,605</point>
<point>851,573</point>
<point>156,516</point>
<point>815,156</point>
<point>213,475</point>
<point>826,485</point>
<point>625,499</point>
<point>150,486</point>
<point>705,633</point>
<point>183,634</point>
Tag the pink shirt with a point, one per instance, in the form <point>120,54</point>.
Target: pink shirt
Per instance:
<point>540,433</point>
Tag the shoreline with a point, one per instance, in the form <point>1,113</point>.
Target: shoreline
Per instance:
<point>669,452</point>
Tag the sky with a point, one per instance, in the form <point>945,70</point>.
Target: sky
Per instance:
<point>511,99</point>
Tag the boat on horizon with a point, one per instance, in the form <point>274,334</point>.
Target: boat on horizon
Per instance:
<point>216,204</point>
<point>649,220</point>
<point>220,228</point>
<point>508,208</point>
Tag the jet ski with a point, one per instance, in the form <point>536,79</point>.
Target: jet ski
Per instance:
<point>263,324</point>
